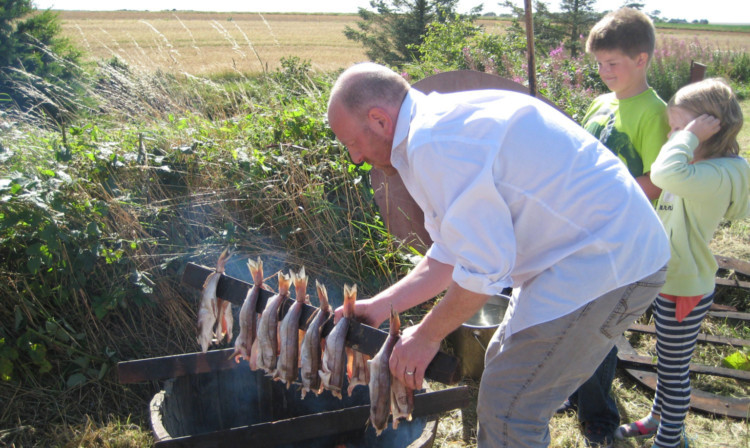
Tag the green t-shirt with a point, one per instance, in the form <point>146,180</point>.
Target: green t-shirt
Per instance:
<point>634,128</point>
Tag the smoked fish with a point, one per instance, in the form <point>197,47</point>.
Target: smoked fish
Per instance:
<point>288,362</point>
<point>208,313</point>
<point>311,351</point>
<point>380,378</point>
<point>267,339</point>
<point>402,396</point>
<point>333,367</point>
<point>248,313</point>
<point>357,370</point>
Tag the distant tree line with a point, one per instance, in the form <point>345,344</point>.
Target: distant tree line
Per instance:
<point>392,30</point>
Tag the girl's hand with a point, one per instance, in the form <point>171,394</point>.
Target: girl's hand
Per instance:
<point>704,127</point>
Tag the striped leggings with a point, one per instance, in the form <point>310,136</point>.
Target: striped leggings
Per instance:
<point>675,343</point>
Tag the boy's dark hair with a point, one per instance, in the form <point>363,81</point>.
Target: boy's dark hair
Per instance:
<point>627,30</point>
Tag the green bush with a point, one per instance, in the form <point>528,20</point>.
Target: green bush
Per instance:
<point>38,69</point>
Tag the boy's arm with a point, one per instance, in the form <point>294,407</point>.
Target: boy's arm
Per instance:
<point>654,128</point>
<point>648,187</point>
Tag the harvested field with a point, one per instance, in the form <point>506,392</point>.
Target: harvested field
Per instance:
<point>202,43</point>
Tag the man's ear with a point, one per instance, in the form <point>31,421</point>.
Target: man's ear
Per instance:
<point>380,121</point>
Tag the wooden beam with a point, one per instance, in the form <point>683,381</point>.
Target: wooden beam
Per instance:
<point>733,282</point>
<point>444,368</point>
<point>705,401</point>
<point>298,429</point>
<point>719,340</point>
<point>733,264</point>
<point>730,315</point>
<point>638,361</point>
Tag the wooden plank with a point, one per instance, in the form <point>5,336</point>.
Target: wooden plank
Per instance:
<point>166,367</point>
<point>736,265</point>
<point>719,340</point>
<point>297,429</point>
<point>634,360</point>
<point>730,315</point>
<point>732,282</point>
<point>701,400</point>
<point>719,307</point>
<point>444,368</point>
<point>733,264</point>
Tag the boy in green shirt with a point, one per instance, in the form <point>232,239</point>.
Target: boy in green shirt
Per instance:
<point>632,122</point>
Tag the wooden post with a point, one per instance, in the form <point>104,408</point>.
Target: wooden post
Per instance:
<point>530,47</point>
<point>697,71</point>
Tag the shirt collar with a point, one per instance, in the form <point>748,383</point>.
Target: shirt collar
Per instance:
<point>406,113</point>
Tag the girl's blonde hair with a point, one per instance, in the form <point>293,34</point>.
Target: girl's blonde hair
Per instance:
<point>713,96</point>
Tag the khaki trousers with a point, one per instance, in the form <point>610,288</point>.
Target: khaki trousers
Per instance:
<point>529,374</point>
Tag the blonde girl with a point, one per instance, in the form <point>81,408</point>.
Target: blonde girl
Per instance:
<point>704,181</point>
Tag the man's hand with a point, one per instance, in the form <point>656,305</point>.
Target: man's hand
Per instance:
<point>411,356</point>
<point>366,311</point>
<point>704,127</point>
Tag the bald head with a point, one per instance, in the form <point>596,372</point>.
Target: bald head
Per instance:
<point>367,85</point>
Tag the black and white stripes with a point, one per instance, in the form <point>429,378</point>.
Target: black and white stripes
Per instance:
<point>675,343</point>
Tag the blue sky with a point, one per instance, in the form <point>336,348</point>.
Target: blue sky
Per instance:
<point>720,11</point>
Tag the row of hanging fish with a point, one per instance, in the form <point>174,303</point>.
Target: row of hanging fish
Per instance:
<point>286,352</point>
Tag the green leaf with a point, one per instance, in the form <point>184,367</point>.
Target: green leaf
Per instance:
<point>38,354</point>
<point>103,371</point>
<point>82,361</point>
<point>6,351</point>
<point>56,331</point>
<point>93,230</point>
<point>33,264</point>
<point>75,379</point>
<point>6,369</point>
<point>737,360</point>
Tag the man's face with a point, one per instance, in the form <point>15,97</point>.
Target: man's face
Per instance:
<point>366,140</point>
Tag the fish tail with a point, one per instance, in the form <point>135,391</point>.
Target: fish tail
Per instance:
<point>256,271</point>
<point>322,296</point>
<point>223,258</point>
<point>300,285</point>
<point>350,298</point>
<point>285,280</point>
<point>395,323</point>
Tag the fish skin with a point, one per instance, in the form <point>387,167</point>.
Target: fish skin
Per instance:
<point>268,343</point>
<point>380,378</point>
<point>402,401</point>
<point>288,363</point>
<point>333,367</point>
<point>360,372</point>
<point>311,351</point>
<point>248,314</point>
<point>208,312</point>
<point>254,350</point>
<point>225,324</point>
<point>402,396</point>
